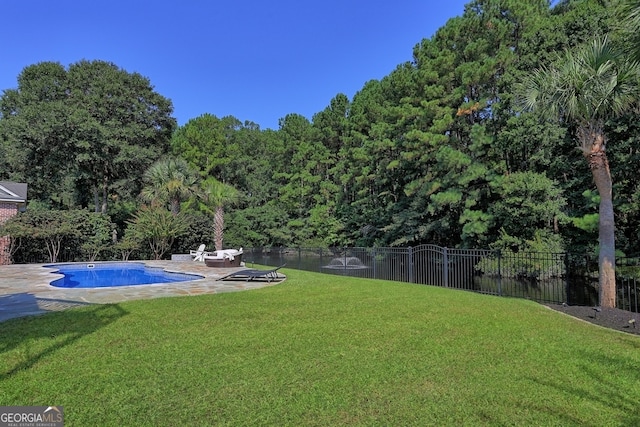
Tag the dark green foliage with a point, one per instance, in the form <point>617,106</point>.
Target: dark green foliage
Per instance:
<point>158,228</point>
<point>260,226</point>
<point>627,16</point>
<point>199,230</point>
<point>170,182</point>
<point>434,152</point>
<point>35,134</point>
<point>83,135</point>
<point>54,234</point>
<point>204,143</point>
<point>624,160</point>
<point>528,213</point>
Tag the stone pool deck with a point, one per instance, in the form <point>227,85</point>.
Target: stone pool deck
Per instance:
<point>25,289</point>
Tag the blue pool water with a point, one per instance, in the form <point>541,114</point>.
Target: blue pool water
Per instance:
<point>101,275</point>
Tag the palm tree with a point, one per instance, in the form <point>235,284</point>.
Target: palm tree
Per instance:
<point>217,195</point>
<point>586,88</point>
<point>170,181</point>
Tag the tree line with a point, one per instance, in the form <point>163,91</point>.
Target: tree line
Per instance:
<point>456,147</point>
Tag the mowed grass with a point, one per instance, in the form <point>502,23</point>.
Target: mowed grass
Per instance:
<point>321,350</point>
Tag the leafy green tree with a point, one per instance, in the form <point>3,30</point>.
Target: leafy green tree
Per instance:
<point>169,182</point>
<point>199,231</point>
<point>624,159</point>
<point>241,155</point>
<point>259,226</point>
<point>527,204</point>
<point>204,143</point>
<point>254,159</point>
<point>78,231</point>
<point>512,265</point>
<point>158,227</point>
<point>306,178</point>
<point>120,123</point>
<point>333,124</point>
<point>35,132</point>
<point>368,174</point>
<point>53,227</point>
<point>15,231</point>
<point>588,87</point>
<point>128,244</point>
<point>96,234</point>
<point>88,130</point>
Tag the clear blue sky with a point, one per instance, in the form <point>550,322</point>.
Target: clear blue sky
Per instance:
<point>255,60</point>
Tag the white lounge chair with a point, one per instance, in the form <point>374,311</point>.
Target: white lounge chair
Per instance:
<point>228,253</point>
<point>198,255</point>
<point>224,258</point>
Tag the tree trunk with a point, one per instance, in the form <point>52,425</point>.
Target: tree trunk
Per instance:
<point>105,191</point>
<point>218,227</point>
<point>175,206</point>
<point>96,199</point>
<point>599,165</point>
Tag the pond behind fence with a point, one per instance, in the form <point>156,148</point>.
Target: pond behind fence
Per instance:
<point>553,278</point>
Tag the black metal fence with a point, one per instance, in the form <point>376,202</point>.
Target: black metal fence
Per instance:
<point>554,278</point>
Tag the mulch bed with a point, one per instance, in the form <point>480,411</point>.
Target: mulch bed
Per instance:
<point>612,318</point>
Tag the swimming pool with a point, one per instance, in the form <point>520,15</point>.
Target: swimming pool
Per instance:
<point>108,274</point>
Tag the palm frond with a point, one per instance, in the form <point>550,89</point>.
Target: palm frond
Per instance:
<point>594,82</point>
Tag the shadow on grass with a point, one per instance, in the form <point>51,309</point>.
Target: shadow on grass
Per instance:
<point>26,304</point>
<point>27,340</point>
<point>603,387</point>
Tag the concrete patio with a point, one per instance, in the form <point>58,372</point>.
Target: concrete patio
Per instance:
<point>25,289</point>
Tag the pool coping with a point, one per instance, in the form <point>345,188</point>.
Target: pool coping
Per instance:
<point>25,288</point>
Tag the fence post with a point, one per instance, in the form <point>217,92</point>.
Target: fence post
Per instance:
<point>445,267</point>
<point>499,272</point>
<point>410,263</point>
<point>373,258</point>
<point>344,250</point>
<point>567,280</point>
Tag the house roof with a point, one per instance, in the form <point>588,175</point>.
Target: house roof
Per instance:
<point>13,192</point>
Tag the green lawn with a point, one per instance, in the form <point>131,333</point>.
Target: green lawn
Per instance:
<point>323,350</point>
